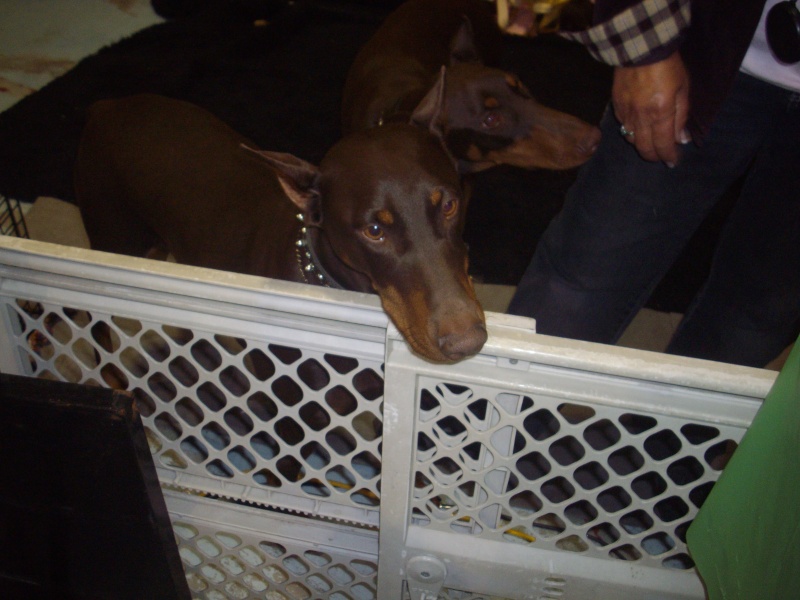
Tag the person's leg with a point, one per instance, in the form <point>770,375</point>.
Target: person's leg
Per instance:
<point>623,224</point>
<point>749,309</point>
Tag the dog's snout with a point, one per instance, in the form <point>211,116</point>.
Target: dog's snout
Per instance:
<point>458,341</point>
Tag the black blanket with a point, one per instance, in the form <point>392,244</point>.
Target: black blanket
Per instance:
<point>274,70</point>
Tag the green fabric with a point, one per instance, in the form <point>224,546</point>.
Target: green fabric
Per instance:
<point>745,539</point>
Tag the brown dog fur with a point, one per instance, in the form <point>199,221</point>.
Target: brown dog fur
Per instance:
<point>489,116</point>
<point>383,212</point>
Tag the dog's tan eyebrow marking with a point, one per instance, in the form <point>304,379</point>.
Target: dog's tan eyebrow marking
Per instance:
<point>385,217</point>
<point>491,102</point>
<point>436,196</point>
<point>517,87</point>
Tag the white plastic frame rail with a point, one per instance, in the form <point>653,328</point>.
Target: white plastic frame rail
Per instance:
<point>540,469</point>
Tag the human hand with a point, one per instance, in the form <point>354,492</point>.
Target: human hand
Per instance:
<point>653,102</point>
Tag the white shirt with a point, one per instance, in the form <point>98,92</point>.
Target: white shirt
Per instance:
<point>760,62</point>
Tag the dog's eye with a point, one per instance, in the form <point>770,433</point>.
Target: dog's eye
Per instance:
<point>492,120</point>
<point>450,208</point>
<point>374,232</point>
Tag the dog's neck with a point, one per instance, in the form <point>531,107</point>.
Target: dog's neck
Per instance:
<point>319,265</point>
<point>401,109</point>
<point>311,269</point>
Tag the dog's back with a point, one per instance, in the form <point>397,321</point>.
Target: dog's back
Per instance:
<point>396,67</point>
<point>151,169</point>
<point>424,29</point>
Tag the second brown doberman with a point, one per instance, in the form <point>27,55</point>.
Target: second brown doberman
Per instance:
<point>489,117</point>
<point>382,213</point>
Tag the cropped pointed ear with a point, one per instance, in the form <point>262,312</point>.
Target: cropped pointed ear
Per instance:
<point>429,112</point>
<point>462,46</point>
<point>299,180</point>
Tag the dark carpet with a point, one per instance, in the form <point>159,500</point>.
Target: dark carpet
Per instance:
<point>274,70</point>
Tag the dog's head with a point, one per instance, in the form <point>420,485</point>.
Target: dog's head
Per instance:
<point>390,209</point>
<point>490,118</point>
<point>394,210</point>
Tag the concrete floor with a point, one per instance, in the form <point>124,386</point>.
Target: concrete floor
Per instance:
<point>42,39</point>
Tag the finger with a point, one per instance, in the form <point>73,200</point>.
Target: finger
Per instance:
<point>664,145</point>
<point>682,135</point>
<point>626,133</point>
<point>620,115</point>
<point>622,105</point>
<point>643,141</point>
<point>625,130</point>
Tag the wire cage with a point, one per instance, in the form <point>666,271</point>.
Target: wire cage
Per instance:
<point>12,219</point>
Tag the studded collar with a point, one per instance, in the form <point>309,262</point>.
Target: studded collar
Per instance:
<point>309,265</point>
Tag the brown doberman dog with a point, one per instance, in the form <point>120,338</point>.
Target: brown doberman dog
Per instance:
<point>382,213</point>
<point>489,116</point>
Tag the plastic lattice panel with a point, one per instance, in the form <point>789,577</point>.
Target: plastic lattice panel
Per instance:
<point>226,563</point>
<point>266,416</point>
<point>565,476</point>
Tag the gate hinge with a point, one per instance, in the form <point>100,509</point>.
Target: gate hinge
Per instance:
<point>425,577</point>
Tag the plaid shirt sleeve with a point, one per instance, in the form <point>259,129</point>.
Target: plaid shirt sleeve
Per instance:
<point>634,35</point>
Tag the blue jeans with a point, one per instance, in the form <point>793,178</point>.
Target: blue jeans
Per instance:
<point>625,221</point>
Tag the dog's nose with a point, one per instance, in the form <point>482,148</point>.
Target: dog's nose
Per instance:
<point>461,343</point>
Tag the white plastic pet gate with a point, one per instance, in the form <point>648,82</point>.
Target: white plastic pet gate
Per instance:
<point>305,453</point>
